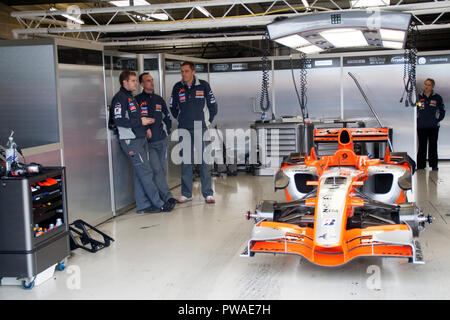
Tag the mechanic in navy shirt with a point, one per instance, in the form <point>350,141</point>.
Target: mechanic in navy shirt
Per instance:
<point>132,130</point>
<point>430,112</point>
<point>153,106</point>
<point>187,105</point>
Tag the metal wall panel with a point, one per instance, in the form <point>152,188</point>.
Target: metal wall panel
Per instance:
<point>28,95</point>
<point>383,85</point>
<point>236,93</point>
<point>440,74</point>
<point>48,159</point>
<point>85,141</point>
<point>323,93</point>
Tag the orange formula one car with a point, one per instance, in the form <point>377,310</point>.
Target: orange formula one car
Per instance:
<point>341,206</point>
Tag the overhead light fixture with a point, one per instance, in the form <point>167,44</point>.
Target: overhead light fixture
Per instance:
<point>159,16</point>
<point>369,3</point>
<point>126,3</point>
<point>343,38</point>
<point>393,44</point>
<point>69,17</point>
<point>151,17</point>
<point>310,49</point>
<point>203,10</point>
<point>293,41</point>
<point>343,29</point>
<point>392,35</point>
<point>305,3</point>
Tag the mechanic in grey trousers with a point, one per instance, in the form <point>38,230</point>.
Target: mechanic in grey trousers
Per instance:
<point>133,131</point>
<point>187,105</point>
<point>153,106</point>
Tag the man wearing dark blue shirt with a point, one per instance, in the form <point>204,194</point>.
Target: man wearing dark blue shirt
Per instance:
<point>132,130</point>
<point>187,105</point>
<point>430,111</point>
<point>153,106</point>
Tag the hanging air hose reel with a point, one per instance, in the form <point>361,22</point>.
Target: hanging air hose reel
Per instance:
<point>264,101</point>
<point>302,98</point>
<point>409,68</point>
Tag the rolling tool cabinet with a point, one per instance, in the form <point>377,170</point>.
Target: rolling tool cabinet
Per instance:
<point>27,204</point>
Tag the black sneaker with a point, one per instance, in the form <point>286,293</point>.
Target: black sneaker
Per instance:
<point>173,200</point>
<point>435,169</point>
<point>152,209</point>
<point>143,210</point>
<point>168,206</point>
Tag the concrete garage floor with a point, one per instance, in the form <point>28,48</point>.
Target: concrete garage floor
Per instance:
<point>193,253</point>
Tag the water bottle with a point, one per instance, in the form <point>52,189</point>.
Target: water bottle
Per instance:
<point>58,222</point>
<point>11,153</point>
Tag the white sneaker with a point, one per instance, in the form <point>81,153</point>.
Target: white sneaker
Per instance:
<point>210,199</point>
<point>184,199</point>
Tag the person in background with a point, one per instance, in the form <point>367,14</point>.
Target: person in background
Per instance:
<point>133,131</point>
<point>153,106</point>
<point>430,112</point>
<point>187,104</point>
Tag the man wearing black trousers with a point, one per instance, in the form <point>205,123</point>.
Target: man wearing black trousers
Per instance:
<point>430,112</point>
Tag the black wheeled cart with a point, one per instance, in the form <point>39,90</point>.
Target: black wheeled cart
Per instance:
<point>34,235</point>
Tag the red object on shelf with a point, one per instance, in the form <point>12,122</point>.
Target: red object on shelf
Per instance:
<point>47,183</point>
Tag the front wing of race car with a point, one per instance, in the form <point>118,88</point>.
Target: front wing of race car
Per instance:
<point>395,241</point>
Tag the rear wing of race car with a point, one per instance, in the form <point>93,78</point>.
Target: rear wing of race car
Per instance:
<point>357,135</point>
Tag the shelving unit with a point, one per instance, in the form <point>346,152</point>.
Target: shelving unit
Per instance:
<point>289,137</point>
<point>26,202</point>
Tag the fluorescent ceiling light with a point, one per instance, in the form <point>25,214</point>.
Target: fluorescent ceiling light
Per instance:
<point>369,3</point>
<point>293,41</point>
<point>151,17</point>
<point>159,16</point>
<point>392,35</point>
<point>393,44</point>
<point>341,38</point>
<point>74,19</point>
<point>310,49</point>
<point>126,3</point>
<point>203,10</point>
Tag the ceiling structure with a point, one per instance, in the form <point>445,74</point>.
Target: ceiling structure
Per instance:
<point>206,29</point>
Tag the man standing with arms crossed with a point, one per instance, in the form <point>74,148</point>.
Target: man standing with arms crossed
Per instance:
<point>153,106</point>
<point>187,105</point>
<point>430,112</point>
<point>132,134</point>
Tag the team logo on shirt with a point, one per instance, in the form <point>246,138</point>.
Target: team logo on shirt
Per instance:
<point>433,103</point>
<point>199,94</point>
<point>212,100</point>
<point>131,105</point>
<point>118,111</point>
<point>158,107</point>
<point>144,110</point>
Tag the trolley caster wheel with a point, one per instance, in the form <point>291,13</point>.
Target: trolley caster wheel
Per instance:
<point>61,266</point>
<point>28,285</point>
